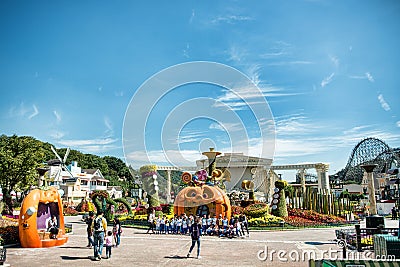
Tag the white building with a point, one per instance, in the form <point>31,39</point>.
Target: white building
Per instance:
<point>83,182</point>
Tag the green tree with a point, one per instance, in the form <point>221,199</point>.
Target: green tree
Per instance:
<point>19,158</point>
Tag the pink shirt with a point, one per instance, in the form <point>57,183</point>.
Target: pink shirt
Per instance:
<point>109,241</point>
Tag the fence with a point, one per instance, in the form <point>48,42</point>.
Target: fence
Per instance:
<point>362,238</point>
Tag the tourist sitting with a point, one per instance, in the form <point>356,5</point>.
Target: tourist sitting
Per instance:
<point>52,227</point>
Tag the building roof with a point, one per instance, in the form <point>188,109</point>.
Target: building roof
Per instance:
<point>90,171</point>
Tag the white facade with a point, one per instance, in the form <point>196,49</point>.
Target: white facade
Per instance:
<point>80,185</point>
<point>242,167</point>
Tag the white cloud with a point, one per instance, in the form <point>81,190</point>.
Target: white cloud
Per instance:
<point>398,123</point>
<point>160,157</point>
<point>327,80</point>
<point>186,51</point>
<point>192,16</point>
<point>369,77</point>
<point>22,111</point>
<point>231,19</point>
<point>35,112</point>
<point>99,145</point>
<point>57,134</point>
<point>289,63</point>
<point>109,127</point>
<point>119,93</point>
<point>296,124</point>
<point>236,54</point>
<point>57,115</point>
<point>87,142</point>
<point>226,126</point>
<point>335,60</point>
<point>383,103</point>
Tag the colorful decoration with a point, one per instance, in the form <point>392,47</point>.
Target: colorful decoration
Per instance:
<point>37,209</point>
<point>186,177</point>
<point>202,200</point>
<point>278,204</point>
<point>202,175</point>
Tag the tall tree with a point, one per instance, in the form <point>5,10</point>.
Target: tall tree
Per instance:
<point>19,158</point>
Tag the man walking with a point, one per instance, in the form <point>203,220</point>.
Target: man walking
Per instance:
<point>99,227</point>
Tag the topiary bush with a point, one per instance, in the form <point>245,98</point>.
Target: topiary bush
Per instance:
<point>256,210</point>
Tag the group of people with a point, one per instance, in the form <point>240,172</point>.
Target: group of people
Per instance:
<point>98,235</point>
<point>217,226</point>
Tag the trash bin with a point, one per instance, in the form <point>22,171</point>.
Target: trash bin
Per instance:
<point>374,221</point>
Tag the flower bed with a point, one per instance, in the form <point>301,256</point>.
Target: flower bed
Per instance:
<point>9,230</point>
<point>266,221</point>
<point>306,218</point>
<point>315,216</point>
<point>70,212</point>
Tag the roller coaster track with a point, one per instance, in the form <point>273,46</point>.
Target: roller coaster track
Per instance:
<point>370,151</point>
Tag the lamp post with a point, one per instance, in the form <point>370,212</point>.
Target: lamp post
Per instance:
<point>211,155</point>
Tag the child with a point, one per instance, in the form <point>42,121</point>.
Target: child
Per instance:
<point>109,239</point>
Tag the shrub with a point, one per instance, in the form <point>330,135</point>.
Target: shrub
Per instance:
<point>256,210</point>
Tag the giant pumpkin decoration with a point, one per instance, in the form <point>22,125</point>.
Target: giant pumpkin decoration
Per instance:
<point>200,200</point>
<point>37,208</point>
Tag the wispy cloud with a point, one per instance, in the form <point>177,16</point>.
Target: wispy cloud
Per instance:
<point>57,134</point>
<point>367,76</point>
<point>334,60</point>
<point>383,103</point>
<point>296,124</point>
<point>57,115</point>
<point>231,19</point>
<point>236,54</point>
<point>35,112</point>
<point>162,157</point>
<point>186,51</point>
<point>109,127</point>
<point>189,136</point>
<point>23,111</point>
<point>192,16</point>
<point>327,80</point>
<point>228,127</point>
<point>119,93</point>
<point>278,49</point>
<point>289,63</point>
<point>99,145</point>
<point>398,123</point>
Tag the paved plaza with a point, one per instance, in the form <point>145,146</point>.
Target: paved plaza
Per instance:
<point>141,249</point>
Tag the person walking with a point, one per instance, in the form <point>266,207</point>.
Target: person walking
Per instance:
<point>109,239</point>
<point>89,221</point>
<point>394,213</point>
<point>117,231</point>
<point>195,235</point>
<point>151,219</point>
<point>99,227</point>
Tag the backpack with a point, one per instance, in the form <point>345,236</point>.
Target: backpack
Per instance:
<point>98,224</point>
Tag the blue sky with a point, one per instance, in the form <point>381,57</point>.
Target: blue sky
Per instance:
<point>328,70</point>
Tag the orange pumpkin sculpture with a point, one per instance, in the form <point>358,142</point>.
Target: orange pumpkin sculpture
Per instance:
<point>37,208</point>
<point>200,200</point>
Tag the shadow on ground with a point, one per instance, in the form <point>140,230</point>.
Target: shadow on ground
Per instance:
<point>175,257</point>
<point>69,258</point>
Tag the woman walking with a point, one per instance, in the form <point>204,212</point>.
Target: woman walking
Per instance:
<point>195,235</point>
